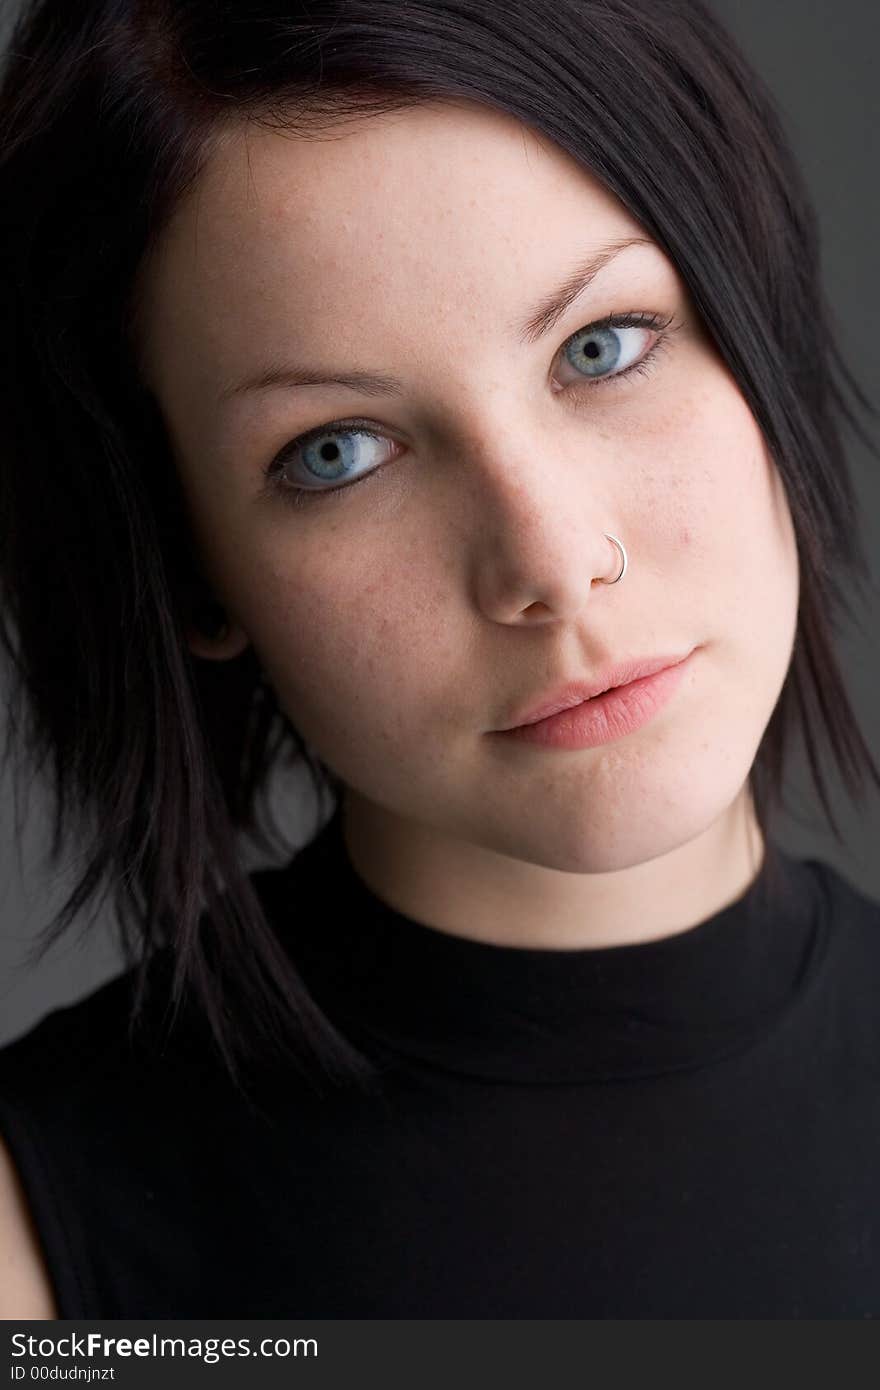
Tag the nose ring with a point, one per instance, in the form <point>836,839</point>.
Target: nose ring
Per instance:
<point>623,558</point>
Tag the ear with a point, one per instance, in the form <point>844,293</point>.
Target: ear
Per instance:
<point>211,634</point>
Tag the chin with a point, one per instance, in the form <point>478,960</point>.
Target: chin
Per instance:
<point>617,831</point>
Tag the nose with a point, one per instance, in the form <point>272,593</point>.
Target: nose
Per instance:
<point>544,545</point>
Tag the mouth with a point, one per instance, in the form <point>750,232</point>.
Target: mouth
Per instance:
<point>603,716</point>
<point>581,691</point>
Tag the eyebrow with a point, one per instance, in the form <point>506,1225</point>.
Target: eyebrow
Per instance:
<point>537,323</point>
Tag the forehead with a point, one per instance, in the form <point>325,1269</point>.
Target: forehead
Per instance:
<point>445,207</point>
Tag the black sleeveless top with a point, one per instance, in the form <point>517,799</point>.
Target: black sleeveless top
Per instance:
<point>682,1128</point>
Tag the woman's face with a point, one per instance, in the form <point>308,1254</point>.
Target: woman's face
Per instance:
<point>403,618</point>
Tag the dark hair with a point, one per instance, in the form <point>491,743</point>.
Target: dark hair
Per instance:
<point>108,111</point>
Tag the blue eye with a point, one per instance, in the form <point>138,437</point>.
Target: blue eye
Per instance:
<point>329,454</point>
<point>600,350</point>
<point>601,353</point>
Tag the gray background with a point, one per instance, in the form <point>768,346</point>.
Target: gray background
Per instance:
<point>819,59</point>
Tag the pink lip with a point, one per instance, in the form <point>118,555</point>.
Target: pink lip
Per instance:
<point>575,692</point>
<point>605,717</point>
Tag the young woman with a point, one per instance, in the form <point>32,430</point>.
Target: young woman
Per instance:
<point>440,395</point>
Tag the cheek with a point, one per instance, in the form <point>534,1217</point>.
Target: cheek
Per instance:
<point>355,642</point>
<point>751,525</point>
<point>719,495</point>
<point>725,518</point>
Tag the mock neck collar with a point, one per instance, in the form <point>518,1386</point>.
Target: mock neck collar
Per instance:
<point>416,995</point>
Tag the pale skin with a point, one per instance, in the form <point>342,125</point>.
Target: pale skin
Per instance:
<point>402,619</point>
<point>406,616</point>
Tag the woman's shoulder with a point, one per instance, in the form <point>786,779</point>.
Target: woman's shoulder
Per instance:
<point>88,1112</point>
<point>852,918</point>
<point>26,1287</point>
<point>69,1045</point>
<point>47,1073</point>
<point>848,905</point>
<point>81,1057</point>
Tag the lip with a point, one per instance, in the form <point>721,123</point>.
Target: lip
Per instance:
<point>603,718</point>
<point>576,691</point>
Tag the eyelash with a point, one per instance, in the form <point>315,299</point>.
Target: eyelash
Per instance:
<point>295,496</point>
